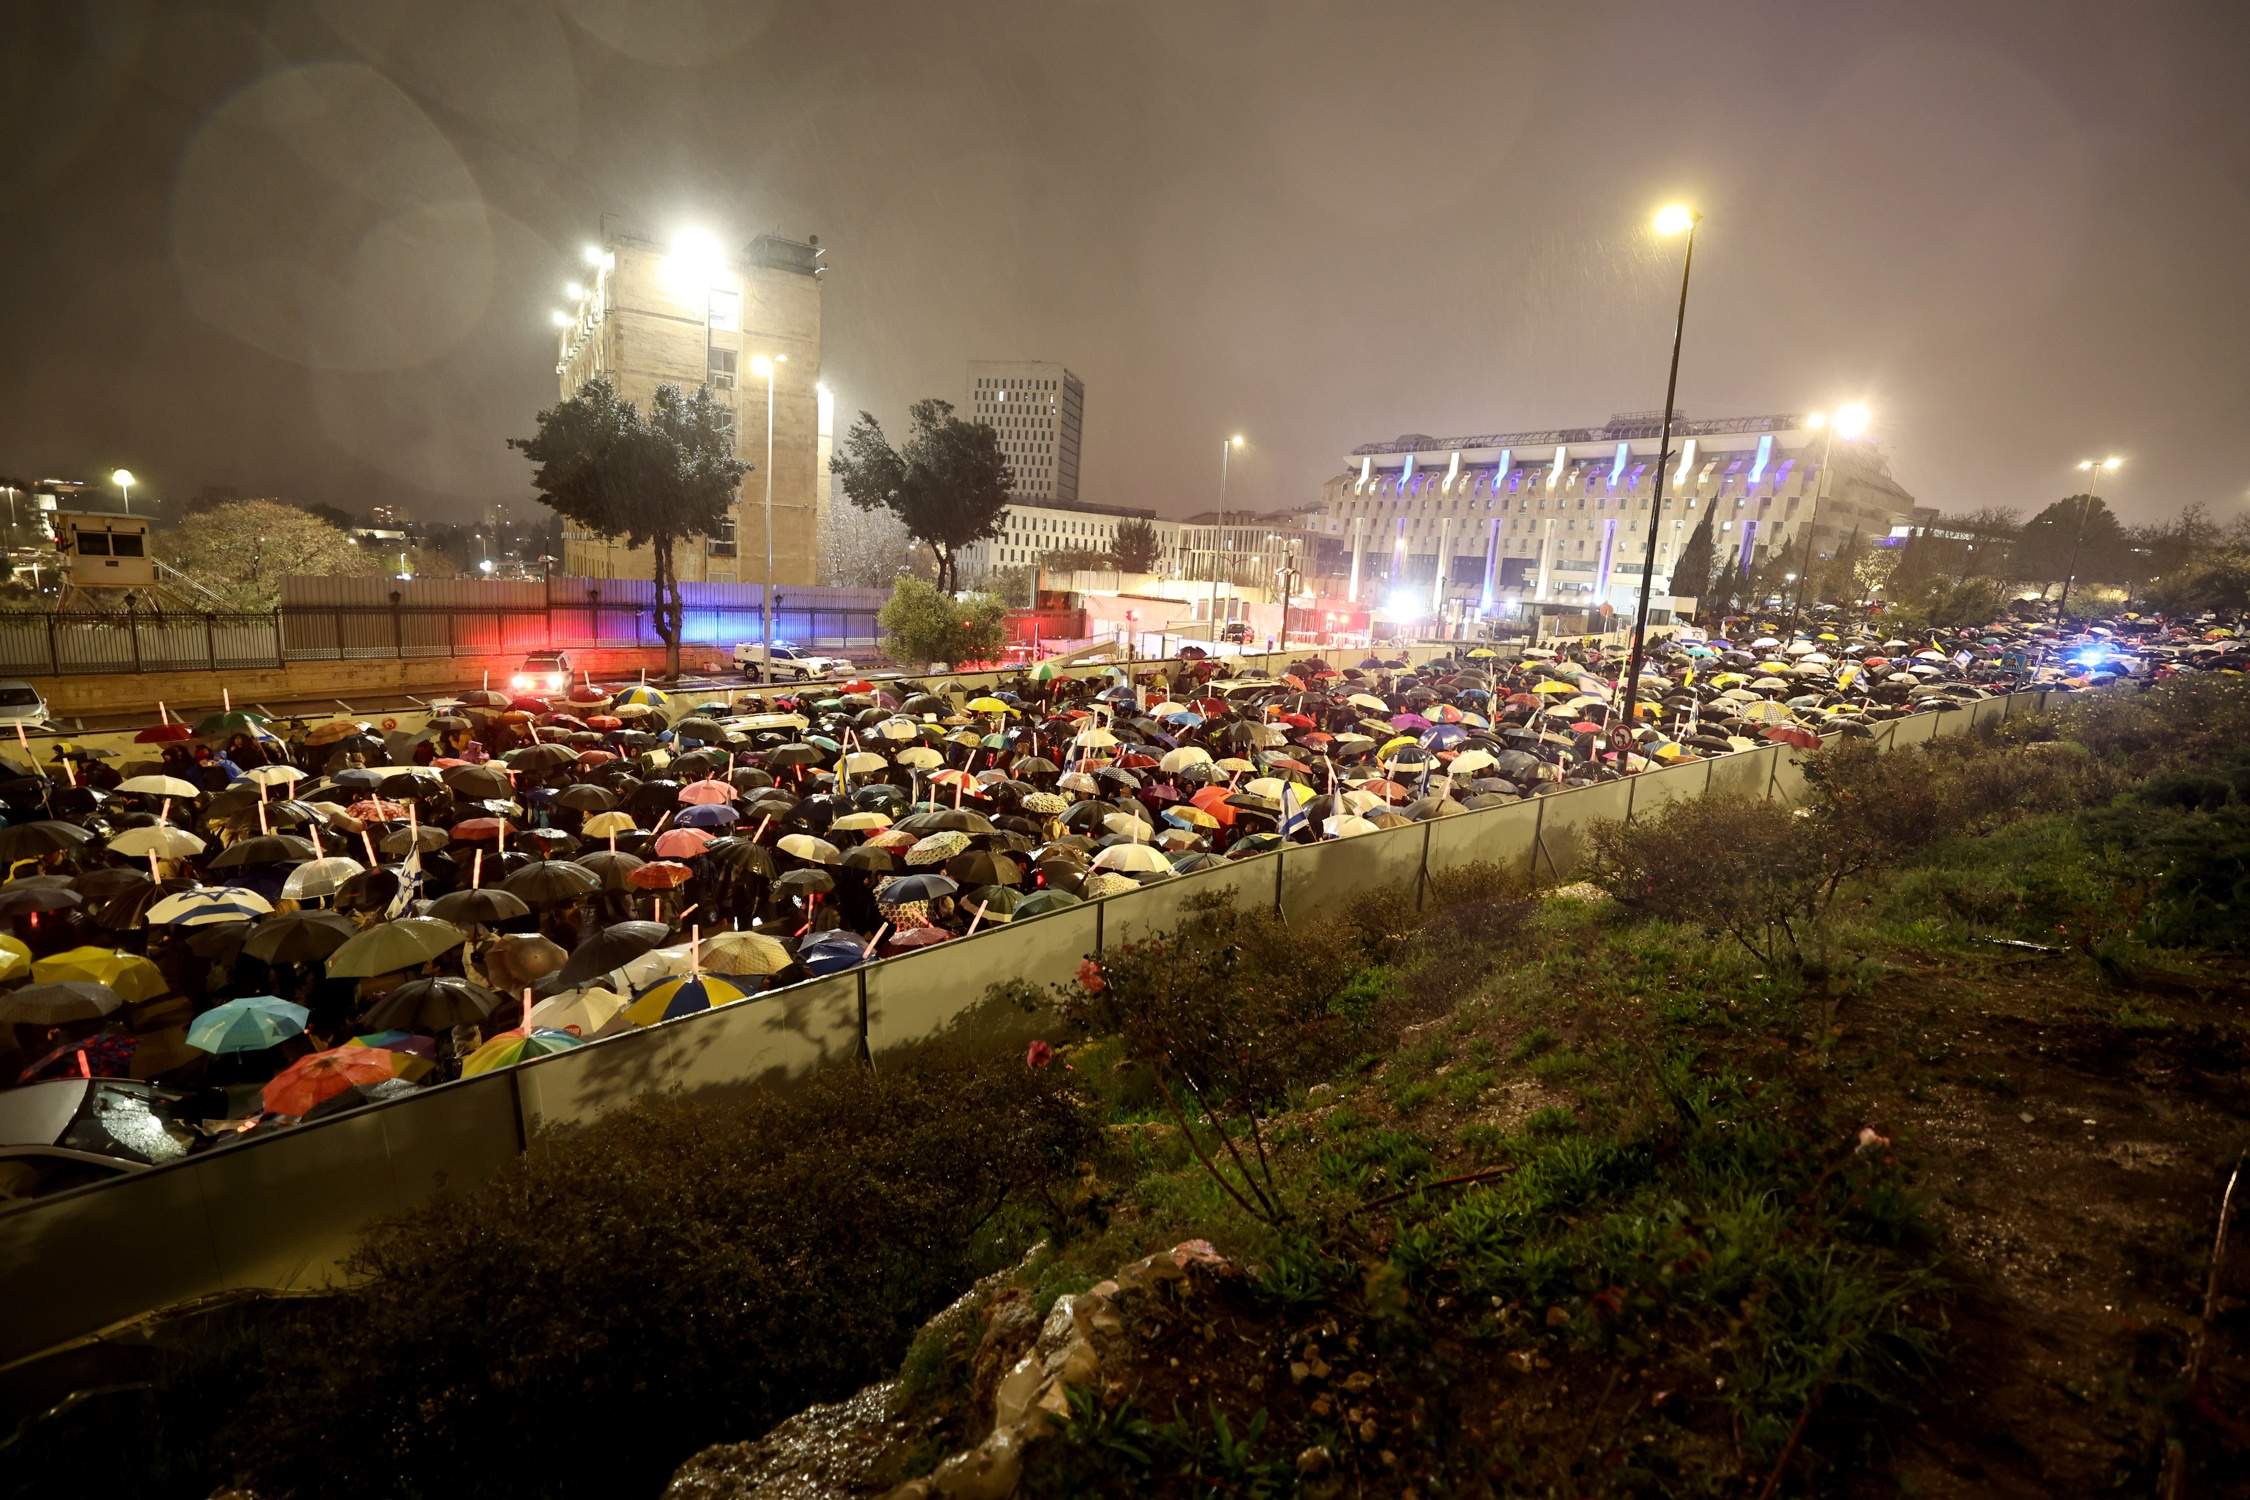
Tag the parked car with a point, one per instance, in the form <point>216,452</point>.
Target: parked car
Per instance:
<point>790,664</point>
<point>542,672</point>
<point>1235,633</point>
<point>66,1132</point>
<point>20,703</point>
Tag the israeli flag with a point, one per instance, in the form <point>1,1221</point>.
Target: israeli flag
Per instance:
<point>409,886</point>
<point>1293,819</point>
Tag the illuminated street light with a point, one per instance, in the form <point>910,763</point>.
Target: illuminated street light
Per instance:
<point>1673,218</point>
<point>1851,420</point>
<point>593,255</point>
<point>696,260</point>
<point>574,291</point>
<point>123,479</point>
<point>2090,467</point>
<point>1219,532</point>
<point>560,318</point>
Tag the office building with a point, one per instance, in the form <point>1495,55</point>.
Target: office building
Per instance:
<point>1039,410</point>
<point>1560,515</point>
<point>693,312</point>
<point>1033,532</point>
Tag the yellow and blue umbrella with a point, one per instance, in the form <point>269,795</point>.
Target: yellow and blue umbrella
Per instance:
<point>512,1047</point>
<point>682,995</point>
<point>250,1024</point>
<point>644,695</point>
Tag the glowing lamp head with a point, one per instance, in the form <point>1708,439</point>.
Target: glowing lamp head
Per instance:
<point>761,367</point>
<point>1851,420</point>
<point>560,318</point>
<point>122,478</point>
<point>1676,218</point>
<point>1235,441</point>
<point>574,291</point>
<point>591,254</point>
<point>696,260</point>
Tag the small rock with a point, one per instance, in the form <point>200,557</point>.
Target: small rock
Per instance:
<point>1521,1360</point>
<point>2025,1117</point>
<point>1558,1317</point>
<point>1358,1380</point>
<point>1322,1406</point>
<point>1298,1370</point>
<point>1367,1430</point>
<point>1315,1460</point>
<point>1320,1093</point>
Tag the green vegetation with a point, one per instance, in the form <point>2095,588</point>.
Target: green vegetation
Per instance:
<point>922,624</point>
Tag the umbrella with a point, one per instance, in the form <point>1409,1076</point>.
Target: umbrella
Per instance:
<point>611,947</point>
<point>744,953</point>
<point>480,906</point>
<point>160,786</point>
<point>551,882</point>
<point>434,1004</point>
<point>250,1024</point>
<point>320,877</point>
<point>204,905</point>
<point>305,1083</point>
<point>511,1047</point>
<point>298,937</point>
<point>406,943</point>
<point>658,875</point>
<point>586,1012</point>
<point>133,977</point>
<point>62,1001</point>
<point>683,995</point>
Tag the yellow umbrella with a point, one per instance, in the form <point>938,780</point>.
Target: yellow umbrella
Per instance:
<point>861,822</point>
<point>863,763</point>
<point>1551,688</point>
<point>603,824</point>
<point>15,958</point>
<point>988,705</point>
<point>1482,653</point>
<point>133,977</point>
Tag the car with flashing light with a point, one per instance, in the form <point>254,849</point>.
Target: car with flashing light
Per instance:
<point>542,672</point>
<point>790,663</point>
<point>20,703</point>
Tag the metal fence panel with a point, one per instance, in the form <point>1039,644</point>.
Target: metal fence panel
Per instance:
<point>939,991</point>
<point>1163,906</point>
<point>1323,879</point>
<point>1567,819</point>
<point>1503,836</point>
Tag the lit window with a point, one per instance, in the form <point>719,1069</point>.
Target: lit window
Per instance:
<point>726,311</point>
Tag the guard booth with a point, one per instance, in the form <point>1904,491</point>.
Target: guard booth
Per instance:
<point>105,560</point>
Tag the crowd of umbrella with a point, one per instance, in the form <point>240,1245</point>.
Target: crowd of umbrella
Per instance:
<point>359,913</point>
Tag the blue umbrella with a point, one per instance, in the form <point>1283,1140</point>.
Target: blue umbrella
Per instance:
<point>832,953</point>
<point>250,1024</point>
<point>710,816</point>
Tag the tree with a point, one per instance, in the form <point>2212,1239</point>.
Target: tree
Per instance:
<point>864,549</point>
<point>1077,559</point>
<point>1838,582</point>
<point>1691,570</point>
<point>2050,541</point>
<point>1135,548</point>
<point>2219,580</point>
<point>654,482</point>
<point>947,485</point>
<point>1989,551</point>
<point>924,623</point>
<point>242,550</point>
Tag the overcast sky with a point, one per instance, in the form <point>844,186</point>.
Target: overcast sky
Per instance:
<point>309,249</point>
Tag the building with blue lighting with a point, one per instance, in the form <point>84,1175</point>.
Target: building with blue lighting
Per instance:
<point>1560,515</point>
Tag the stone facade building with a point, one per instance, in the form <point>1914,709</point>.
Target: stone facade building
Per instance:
<point>649,314</point>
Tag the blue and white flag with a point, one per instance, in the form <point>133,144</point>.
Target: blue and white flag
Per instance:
<point>409,886</point>
<point>1293,819</point>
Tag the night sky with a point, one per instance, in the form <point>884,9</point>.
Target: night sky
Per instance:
<point>309,249</point>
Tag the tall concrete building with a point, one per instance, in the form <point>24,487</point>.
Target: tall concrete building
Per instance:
<point>1032,531</point>
<point>695,312</point>
<point>1039,410</point>
<point>1561,515</point>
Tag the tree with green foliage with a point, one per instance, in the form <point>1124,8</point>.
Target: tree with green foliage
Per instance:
<point>1135,548</point>
<point>1691,570</point>
<point>923,623</point>
<point>947,484</point>
<point>241,550</point>
<point>2218,580</point>
<point>1838,578</point>
<point>655,482</point>
<point>2050,544</point>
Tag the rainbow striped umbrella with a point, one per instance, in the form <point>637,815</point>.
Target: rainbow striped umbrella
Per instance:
<point>512,1047</point>
<point>683,995</point>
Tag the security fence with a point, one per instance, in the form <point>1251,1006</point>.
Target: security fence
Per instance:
<point>281,1211</point>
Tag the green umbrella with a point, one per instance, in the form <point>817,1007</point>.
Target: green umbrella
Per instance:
<point>250,1024</point>
<point>233,721</point>
<point>407,943</point>
<point>1042,903</point>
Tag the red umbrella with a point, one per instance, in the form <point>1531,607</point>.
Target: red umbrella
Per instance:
<point>916,937</point>
<point>324,1075</point>
<point>161,734</point>
<point>682,843</point>
<point>479,828</point>
<point>659,875</point>
<point>591,758</point>
<point>1789,734</point>
<point>377,810</point>
<point>857,685</point>
<point>1585,726</point>
<point>605,721</point>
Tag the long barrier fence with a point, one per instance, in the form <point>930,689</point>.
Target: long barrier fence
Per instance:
<point>280,1213</point>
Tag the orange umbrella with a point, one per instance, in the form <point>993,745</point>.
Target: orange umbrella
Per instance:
<point>324,1075</point>
<point>1213,800</point>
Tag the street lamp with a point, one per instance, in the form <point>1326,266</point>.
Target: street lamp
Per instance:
<point>1850,420</point>
<point>1673,218</point>
<point>2092,469</point>
<point>1219,532</point>
<point>123,479</point>
<point>763,368</point>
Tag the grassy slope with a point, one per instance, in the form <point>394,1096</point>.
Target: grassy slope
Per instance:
<point>1688,1271</point>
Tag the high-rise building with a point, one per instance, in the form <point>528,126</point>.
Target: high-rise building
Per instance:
<point>690,313</point>
<point>1561,514</point>
<point>1039,410</point>
<point>1033,532</point>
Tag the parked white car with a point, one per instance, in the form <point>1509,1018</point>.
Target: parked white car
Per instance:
<point>20,703</point>
<point>789,663</point>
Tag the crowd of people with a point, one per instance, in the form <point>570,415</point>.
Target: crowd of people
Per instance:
<point>271,921</point>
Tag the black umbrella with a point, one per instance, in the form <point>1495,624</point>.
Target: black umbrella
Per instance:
<point>611,947</point>
<point>298,937</point>
<point>550,882</point>
<point>433,1004</point>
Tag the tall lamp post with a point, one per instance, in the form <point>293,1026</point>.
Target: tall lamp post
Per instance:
<point>1851,421</point>
<point>2093,469</point>
<point>1675,218</point>
<point>1219,532</point>
<point>763,369</point>
<point>123,479</point>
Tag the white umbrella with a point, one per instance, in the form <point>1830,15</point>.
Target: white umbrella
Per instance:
<point>273,775</point>
<point>920,757</point>
<point>206,905</point>
<point>159,786</point>
<point>319,877</point>
<point>1132,858</point>
<point>588,1011</point>
<point>1184,757</point>
<point>160,839</point>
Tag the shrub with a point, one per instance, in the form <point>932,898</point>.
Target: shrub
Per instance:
<point>690,1272</point>
<point>1749,869</point>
